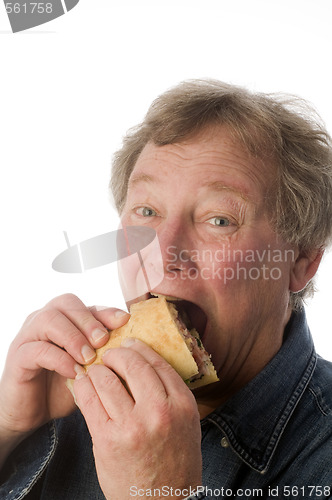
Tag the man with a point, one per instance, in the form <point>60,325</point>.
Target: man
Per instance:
<point>238,188</point>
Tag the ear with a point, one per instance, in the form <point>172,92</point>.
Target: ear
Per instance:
<point>304,269</point>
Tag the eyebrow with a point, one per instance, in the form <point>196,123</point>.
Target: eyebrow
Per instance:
<point>214,185</point>
<point>136,179</point>
<point>220,186</point>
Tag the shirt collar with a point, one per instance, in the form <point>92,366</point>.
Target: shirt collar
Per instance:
<point>255,417</point>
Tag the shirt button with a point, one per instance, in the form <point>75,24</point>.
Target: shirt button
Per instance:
<point>224,442</point>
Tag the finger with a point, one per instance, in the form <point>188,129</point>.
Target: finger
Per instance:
<point>36,355</point>
<point>140,376</point>
<point>171,380</point>
<point>109,316</point>
<point>53,326</point>
<point>90,404</point>
<point>113,395</point>
<point>81,316</point>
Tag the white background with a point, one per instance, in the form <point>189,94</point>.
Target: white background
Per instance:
<point>72,87</point>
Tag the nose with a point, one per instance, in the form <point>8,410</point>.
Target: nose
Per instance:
<point>168,257</point>
<point>176,244</point>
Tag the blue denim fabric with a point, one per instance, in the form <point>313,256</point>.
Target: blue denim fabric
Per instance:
<point>273,439</point>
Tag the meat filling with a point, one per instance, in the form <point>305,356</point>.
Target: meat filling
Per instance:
<point>195,346</point>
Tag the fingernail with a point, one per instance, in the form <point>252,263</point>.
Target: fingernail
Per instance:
<point>106,352</point>
<point>120,314</point>
<point>128,341</point>
<point>98,334</point>
<point>79,370</point>
<point>88,353</point>
<point>80,375</point>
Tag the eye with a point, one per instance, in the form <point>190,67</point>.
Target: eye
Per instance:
<point>146,212</point>
<point>219,221</point>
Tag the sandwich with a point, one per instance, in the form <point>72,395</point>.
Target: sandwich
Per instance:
<point>163,327</point>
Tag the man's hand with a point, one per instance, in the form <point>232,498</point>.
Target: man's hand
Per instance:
<point>50,347</point>
<point>148,437</point>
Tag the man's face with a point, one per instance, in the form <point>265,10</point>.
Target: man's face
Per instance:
<point>206,199</point>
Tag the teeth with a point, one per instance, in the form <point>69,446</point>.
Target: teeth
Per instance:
<point>167,297</point>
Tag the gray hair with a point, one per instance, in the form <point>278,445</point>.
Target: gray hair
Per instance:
<point>284,130</point>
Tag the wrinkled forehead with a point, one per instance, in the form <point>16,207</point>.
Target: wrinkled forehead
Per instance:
<point>212,150</point>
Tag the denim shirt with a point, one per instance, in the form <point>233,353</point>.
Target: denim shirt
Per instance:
<point>272,439</point>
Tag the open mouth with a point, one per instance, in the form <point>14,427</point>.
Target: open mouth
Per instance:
<point>191,323</point>
<point>191,314</point>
